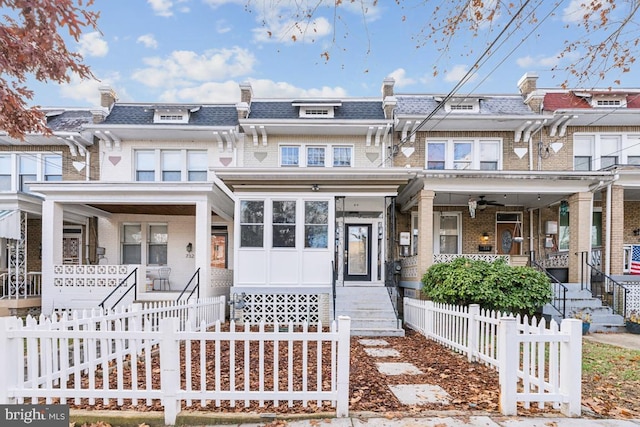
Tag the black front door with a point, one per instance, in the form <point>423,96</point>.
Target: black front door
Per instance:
<point>357,252</point>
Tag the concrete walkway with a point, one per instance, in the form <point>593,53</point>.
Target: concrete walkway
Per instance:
<point>624,340</point>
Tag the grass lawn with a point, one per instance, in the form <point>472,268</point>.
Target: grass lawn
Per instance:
<point>610,379</point>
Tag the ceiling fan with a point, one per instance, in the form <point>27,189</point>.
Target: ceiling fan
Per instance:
<point>482,203</point>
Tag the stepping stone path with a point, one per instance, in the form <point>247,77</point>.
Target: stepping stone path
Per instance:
<point>407,394</point>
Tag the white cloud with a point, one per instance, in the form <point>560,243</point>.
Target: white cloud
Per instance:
<point>577,9</point>
<point>148,40</point>
<point>87,90</point>
<point>184,68</point>
<point>92,44</point>
<point>229,91</point>
<point>223,26</point>
<point>538,61</point>
<point>161,7</point>
<point>457,73</point>
<point>291,31</point>
<point>165,7</point>
<point>400,76</point>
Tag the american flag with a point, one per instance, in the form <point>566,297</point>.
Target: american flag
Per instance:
<point>635,259</point>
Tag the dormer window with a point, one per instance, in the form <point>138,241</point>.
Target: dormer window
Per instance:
<point>608,103</point>
<point>605,100</point>
<point>461,105</point>
<point>317,109</point>
<point>173,114</point>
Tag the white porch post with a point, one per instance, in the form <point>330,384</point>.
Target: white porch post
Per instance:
<point>52,213</point>
<point>203,246</point>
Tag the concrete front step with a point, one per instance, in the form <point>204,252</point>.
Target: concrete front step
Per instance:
<point>370,310</point>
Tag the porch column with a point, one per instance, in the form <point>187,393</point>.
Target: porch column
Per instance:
<point>613,239</point>
<point>52,225</point>
<point>580,205</point>
<point>425,231</point>
<point>203,246</point>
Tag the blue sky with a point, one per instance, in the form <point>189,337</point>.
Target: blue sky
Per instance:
<point>200,50</point>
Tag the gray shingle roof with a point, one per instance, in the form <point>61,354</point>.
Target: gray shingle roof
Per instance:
<point>349,110</point>
<point>207,115</point>
<point>489,105</point>
<point>69,121</point>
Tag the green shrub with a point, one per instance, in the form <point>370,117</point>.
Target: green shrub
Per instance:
<point>495,286</point>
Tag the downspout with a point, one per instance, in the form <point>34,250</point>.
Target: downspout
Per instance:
<point>607,246</point>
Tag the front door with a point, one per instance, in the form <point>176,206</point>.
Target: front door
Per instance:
<point>357,252</point>
<point>505,242</point>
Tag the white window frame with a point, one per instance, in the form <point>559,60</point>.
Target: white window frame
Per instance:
<point>171,117</point>
<point>591,144</point>
<point>329,154</point>
<point>462,106</point>
<point>476,143</point>
<point>159,166</point>
<point>436,230</point>
<point>41,159</point>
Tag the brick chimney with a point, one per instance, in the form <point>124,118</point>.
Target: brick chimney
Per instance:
<point>528,84</point>
<point>243,107</point>
<point>107,97</point>
<point>388,100</point>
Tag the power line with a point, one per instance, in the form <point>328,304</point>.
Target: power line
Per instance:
<point>460,83</point>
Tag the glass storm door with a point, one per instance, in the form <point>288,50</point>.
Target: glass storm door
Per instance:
<point>357,259</point>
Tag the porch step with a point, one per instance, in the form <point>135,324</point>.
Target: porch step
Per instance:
<point>602,317</point>
<point>370,310</point>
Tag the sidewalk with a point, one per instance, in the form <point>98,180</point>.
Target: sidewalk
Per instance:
<point>396,419</point>
<point>624,340</point>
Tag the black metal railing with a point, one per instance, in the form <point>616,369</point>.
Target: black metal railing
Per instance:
<point>334,276</point>
<point>391,283</point>
<point>122,283</point>
<point>602,286</point>
<point>196,288</point>
<point>559,298</point>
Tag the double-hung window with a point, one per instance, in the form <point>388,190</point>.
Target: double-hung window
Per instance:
<point>342,156</point>
<point>5,173</point>
<point>471,154</point>
<point>131,242</point>
<point>290,156</point>
<point>315,156</point>
<point>197,165</point>
<point>145,165</point>
<point>171,165</point>
<point>52,167</point>
<point>28,171</point>
<point>158,238</point>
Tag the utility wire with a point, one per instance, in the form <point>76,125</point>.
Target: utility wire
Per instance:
<point>460,83</point>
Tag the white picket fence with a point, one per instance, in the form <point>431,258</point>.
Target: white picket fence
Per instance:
<point>160,354</point>
<point>536,363</point>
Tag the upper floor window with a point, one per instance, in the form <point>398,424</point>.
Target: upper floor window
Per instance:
<point>171,165</point>
<point>475,154</point>
<point>17,169</point>
<point>599,151</point>
<point>316,156</point>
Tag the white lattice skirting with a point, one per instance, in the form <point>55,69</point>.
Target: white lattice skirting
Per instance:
<point>286,308</point>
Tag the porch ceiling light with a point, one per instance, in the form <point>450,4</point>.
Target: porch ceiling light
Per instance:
<point>315,187</point>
